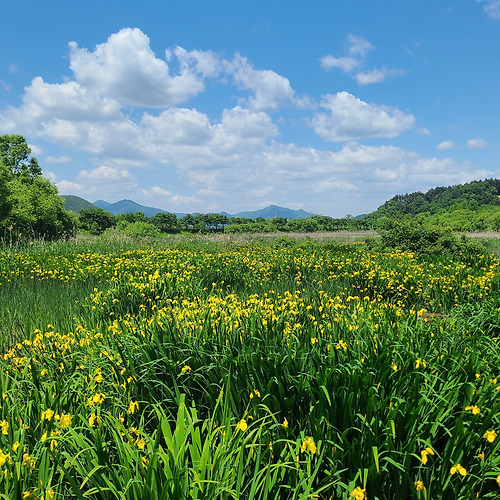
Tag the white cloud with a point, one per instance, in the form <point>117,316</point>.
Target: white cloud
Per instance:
<point>445,145</point>
<point>269,88</point>
<point>105,174</point>
<point>477,142</point>
<point>376,75</point>
<point>125,68</point>
<point>66,101</point>
<point>65,187</point>
<point>351,119</point>
<point>156,191</point>
<point>248,124</point>
<point>492,8</point>
<point>345,64</point>
<point>35,150</point>
<point>358,49</point>
<point>423,131</point>
<point>60,159</point>
<point>358,46</point>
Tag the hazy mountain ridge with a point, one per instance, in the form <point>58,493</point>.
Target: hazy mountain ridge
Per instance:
<point>76,204</point>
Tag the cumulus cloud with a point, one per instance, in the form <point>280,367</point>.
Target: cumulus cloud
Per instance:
<point>65,187</point>
<point>126,69</point>
<point>224,160</point>
<point>357,50</point>
<point>269,88</point>
<point>445,145</point>
<point>477,142</point>
<point>350,118</point>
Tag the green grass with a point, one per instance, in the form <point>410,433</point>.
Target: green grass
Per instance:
<point>324,351</point>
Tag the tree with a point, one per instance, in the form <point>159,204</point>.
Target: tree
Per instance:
<point>36,210</point>
<point>4,193</point>
<point>30,206</point>
<point>166,222</point>
<point>96,220</point>
<point>15,156</point>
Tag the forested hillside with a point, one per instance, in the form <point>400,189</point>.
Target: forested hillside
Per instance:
<point>472,195</point>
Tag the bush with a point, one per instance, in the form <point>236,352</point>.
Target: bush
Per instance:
<point>414,235</point>
<point>141,230</point>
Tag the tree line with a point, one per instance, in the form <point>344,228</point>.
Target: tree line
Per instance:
<point>96,221</point>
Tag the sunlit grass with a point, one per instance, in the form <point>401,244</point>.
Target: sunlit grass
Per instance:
<point>249,369</point>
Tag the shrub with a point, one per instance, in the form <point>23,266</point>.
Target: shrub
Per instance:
<point>414,235</point>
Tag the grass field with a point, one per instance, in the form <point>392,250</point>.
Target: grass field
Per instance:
<point>285,368</point>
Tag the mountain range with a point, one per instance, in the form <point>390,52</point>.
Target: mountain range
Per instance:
<point>76,204</point>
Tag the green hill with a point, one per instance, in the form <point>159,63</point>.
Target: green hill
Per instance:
<point>126,207</point>
<point>273,211</point>
<point>441,199</point>
<point>76,204</point>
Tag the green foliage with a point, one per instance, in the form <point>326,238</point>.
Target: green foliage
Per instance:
<point>141,229</point>
<point>15,156</point>
<point>416,235</point>
<point>476,193</point>
<point>96,220</point>
<point>36,211</point>
<point>166,222</point>
<point>30,206</point>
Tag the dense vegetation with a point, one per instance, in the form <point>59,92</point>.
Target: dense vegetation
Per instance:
<point>30,207</point>
<point>290,370</point>
<point>474,206</point>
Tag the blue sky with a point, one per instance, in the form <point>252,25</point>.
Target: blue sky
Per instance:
<point>330,106</point>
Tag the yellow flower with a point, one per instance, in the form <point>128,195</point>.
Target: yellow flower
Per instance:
<point>419,485</point>
<point>133,406</point>
<point>5,458</point>
<point>16,445</point>
<point>498,480</point>
<point>5,427</point>
<point>47,414</point>
<point>242,425</point>
<point>458,468</point>
<point>93,419</point>
<point>424,453</point>
<point>255,392</point>
<point>285,423</point>
<point>314,340</point>
<point>490,436</point>
<point>50,495</point>
<point>53,444</point>
<point>140,443</point>
<point>358,493</point>
<point>474,409</point>
<point>185,369</point>
<point>65,420</point>
<point>308,444</point>
<point>96,399</point>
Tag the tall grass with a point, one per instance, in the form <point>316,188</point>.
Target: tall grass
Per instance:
<point>284,369</point>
